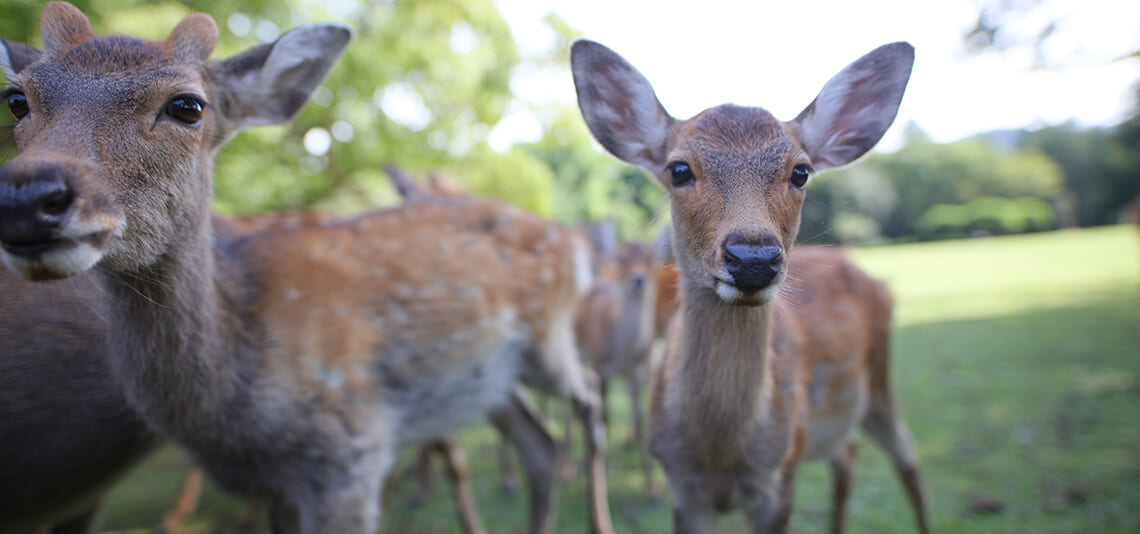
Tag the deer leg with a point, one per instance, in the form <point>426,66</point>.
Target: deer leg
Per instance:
<point>639,436</point>
<point>422,473</point>
<point>841,485</point>
<point>775,513</point>
<point>688,520</point>
<point>567,468</point>
<point>565,376</point>
<point>185,503</point>
<point>351,507</point>
<point>536,448</point>
<point>589,410</point>
<point>457,471</point>
<point>884,426</point>
<point>510,480</point>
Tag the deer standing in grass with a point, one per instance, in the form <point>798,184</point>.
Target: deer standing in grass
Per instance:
<point>292,364</point>
<point>614,325</point>
<point>770,361</point>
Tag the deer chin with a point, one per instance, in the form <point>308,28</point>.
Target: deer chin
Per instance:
<point>77,248</point>
<point>730,293</point>
<point>59,258</point>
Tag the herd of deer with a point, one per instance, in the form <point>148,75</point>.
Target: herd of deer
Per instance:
<point>292,357</point>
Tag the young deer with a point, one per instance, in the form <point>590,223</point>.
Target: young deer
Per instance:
<point>291,364</point>
<point>770,362</point>
<point>614,325</point>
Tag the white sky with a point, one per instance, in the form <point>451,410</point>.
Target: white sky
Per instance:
<point>777,55</point>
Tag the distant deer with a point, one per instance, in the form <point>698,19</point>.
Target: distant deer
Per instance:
<point>666,277</point>
<point>614,324</point>
<point>772,361</point>
<point>292,364</point>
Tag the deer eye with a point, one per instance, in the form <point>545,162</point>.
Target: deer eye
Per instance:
<point>17,104</point>
<point>186,109</point>
<point>800,175</point>
<point>682,173</point>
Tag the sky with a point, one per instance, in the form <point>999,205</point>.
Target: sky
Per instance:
<point>777,55</point>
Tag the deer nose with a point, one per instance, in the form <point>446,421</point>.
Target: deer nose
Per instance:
<point>752,265</point>
<point>33,206</point>
<point>638,282</point>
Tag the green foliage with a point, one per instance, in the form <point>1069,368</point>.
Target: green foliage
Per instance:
<point>590,185</point>
<point>895,191</point>
<point>986,215</point>
<point>1101,168</point>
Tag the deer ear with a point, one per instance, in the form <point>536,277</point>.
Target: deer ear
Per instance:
<point>270,83</point>
<point>855,107</point>
<point>194,38</point>
<point>15,56</point>
<point>63,25</point>
<point>619,105</point>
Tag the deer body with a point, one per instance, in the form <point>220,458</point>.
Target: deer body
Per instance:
<point>769,361</point>
<point>67,432</point>
<point>614,326</point>
<point>294,363</point>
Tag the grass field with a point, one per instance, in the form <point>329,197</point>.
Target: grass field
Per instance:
<point>1017,365</point>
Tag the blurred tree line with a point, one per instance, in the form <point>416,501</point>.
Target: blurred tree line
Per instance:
<point>1000,183</point>
<point>425,83</point>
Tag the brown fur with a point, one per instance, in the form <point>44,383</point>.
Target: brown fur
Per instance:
<point>292,364</point>
<point>667,280</point>
<point>614,327</point>
<point>769,361</point>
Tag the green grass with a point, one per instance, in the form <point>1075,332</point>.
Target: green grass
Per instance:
<point>1017,365</point>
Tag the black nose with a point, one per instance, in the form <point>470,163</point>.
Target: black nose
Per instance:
<point>638,282</point>
<point>33,206</point>
<point>752,264</point>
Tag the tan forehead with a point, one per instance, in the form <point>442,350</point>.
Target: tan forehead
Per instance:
<point>729,139</point>
<point>115,70</point>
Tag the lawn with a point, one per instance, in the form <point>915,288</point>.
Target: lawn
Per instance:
<point>1017,365</point>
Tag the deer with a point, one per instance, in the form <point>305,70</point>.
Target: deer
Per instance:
<point>773,358</point>
<point>614,325</point>
<point>291,364</point>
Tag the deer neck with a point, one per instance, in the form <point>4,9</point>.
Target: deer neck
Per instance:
<point>180,348</point>
<point>724,372</point>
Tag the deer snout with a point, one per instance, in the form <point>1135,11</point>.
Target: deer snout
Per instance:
<point>753,265</point>
<point>33,206</point>
<point>638,283</point>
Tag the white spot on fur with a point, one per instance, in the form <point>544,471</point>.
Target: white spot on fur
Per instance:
<point>292,294</point>
<point>404,291</point>
<point>583,270</point>
<point>333,376</point>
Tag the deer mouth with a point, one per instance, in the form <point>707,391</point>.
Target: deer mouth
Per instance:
<point>53,258</point>
<point>741,295</point>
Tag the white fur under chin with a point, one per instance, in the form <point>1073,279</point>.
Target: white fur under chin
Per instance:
<point>61,262</point>
<point>730,294</point>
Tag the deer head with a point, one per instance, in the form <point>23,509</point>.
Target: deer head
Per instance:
<point>104,124</point>
<point>736,175</point>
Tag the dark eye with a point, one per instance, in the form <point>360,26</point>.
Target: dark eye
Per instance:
<point>17,104</point>
<point>800,175</point>
<point>186,109</point>
<point>682,174</point>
